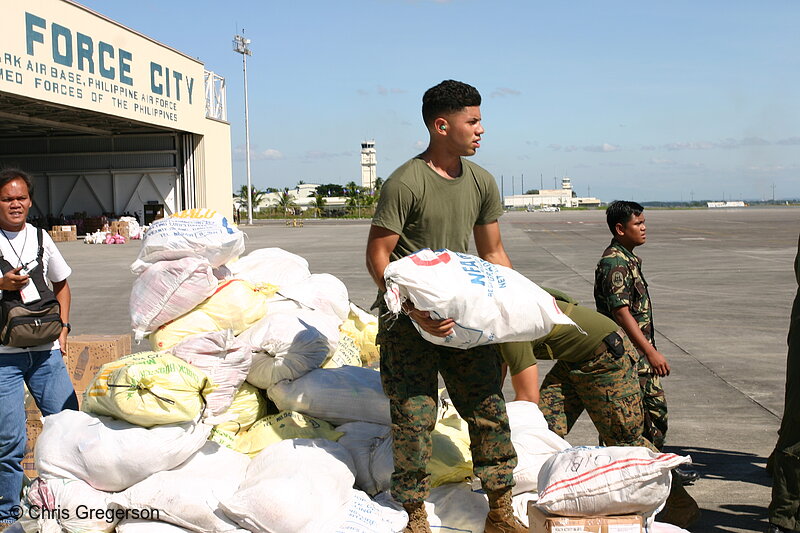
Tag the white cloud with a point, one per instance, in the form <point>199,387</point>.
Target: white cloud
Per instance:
<point>789,141</point>
<point>320,154</point>
<point>383,91</point>
<point>605,147</point>
<point>659,161</point>
<point>701,145</point>
<point>504,91</point>
<point>270,154</point>
<point>420,145</point>
<point>555,147</point>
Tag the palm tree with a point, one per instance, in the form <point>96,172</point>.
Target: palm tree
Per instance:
<point>256,197</point>
<point>318,204</point>
<point>286,202</point>
<point>352,188</point>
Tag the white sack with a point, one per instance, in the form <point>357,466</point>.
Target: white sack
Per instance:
<point>365,515</point>
<point>600,481</point>
<point>338,395</point>
<point>288,345</point>
<point>168,289</point>
<point>456,507</point>
<point>149,526</point>
<point>189,495</point>
<point>371,448</point>
<point>111,455</point>
<point>270,265</point>
<point>489,303</point>
<point>191,233</point>
<point>320,292</point>
<point>62,497</point>
<point>294,486</point>
<point>533,441</point>
<point>224,359</point>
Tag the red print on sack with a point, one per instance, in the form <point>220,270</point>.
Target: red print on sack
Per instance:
<point>443,258</point>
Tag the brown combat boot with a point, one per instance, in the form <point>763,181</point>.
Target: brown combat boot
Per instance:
<point>680,510</point>
<point>501,517</point>
<point>417,518</point>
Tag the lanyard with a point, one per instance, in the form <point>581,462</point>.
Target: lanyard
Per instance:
<point>24,242</point>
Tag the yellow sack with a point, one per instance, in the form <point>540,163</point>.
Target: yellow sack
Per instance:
<point>148,389</point>
<point>346,354</point>
<point>282,426</point>
<point>248,406</point>
<point>451,459</point>
<point>235,305</point>
<point>362,327</point>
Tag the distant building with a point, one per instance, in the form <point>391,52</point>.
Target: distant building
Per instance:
<point>369,165</point>
<point>303,198</point>
<point>736,203</point>
<point>563,197</point>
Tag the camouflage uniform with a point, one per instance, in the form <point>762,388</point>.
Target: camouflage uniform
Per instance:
<point>619,282</point>
<point>784,508</point>
<point>409,366</point>
<point>605,385</point>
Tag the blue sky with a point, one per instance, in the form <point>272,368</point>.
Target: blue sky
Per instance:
<point>633,100</point>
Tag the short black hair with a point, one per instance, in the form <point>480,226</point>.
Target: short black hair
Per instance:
<point>11,174</point>
<point>448,97</point>
<point>620,212</point>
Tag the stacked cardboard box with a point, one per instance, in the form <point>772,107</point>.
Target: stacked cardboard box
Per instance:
<point>64,233</point>
<point>122,227</point>
<point>92,224</point>
<point>540,522</point>
<point>85,355</point>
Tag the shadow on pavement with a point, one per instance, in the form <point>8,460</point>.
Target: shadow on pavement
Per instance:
<point>730,466</point>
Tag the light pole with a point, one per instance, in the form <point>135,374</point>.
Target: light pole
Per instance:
<point>241,46</point>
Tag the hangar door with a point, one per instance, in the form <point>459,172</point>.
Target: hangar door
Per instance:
<point>100,175</point>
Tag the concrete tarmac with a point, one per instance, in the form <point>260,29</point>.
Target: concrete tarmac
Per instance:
<point>721,282</point>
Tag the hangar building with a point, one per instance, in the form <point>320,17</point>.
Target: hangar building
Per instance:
<point>108,120</point>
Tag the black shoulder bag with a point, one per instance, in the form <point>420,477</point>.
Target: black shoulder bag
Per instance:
<point>23,325</point>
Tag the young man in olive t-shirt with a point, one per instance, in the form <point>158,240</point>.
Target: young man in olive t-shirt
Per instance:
<point>595,371</point>
<point>438,200</point>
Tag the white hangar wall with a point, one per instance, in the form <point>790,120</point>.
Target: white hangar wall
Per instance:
<point>106,119</point>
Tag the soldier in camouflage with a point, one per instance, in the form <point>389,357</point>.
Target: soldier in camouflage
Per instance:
<point>620,293</point>
<point>595,371</point>
<point>440,199</point>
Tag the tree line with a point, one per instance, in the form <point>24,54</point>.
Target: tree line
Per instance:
<point>356,198</point>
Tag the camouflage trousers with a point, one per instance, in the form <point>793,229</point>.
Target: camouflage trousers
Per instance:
<point>655,404</point>
<point>784,508</point>
<point>605,386</point>
<point>409,366</point>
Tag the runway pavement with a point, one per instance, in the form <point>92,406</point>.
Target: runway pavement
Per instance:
<point>721,283</point>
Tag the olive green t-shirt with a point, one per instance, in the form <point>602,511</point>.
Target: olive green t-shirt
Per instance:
<point>568,343</point>
<point>429,211</point>
<point>564,342</point>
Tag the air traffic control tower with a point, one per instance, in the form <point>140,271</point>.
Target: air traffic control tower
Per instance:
<point>369,165</point>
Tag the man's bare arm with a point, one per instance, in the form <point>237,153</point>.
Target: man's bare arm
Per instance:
<point>623,317</point>
<point>489,244</point>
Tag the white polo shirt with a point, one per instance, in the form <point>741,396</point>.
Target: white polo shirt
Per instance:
<point>20,247</point>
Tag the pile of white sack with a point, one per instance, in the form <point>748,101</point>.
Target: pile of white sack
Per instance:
<point>260,409</point>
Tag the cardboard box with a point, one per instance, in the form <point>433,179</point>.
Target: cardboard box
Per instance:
<point>121,227</point>
<point>87,353</point>
<point>63,236</point>
<point>541,522</point>
<point>34,429</point>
